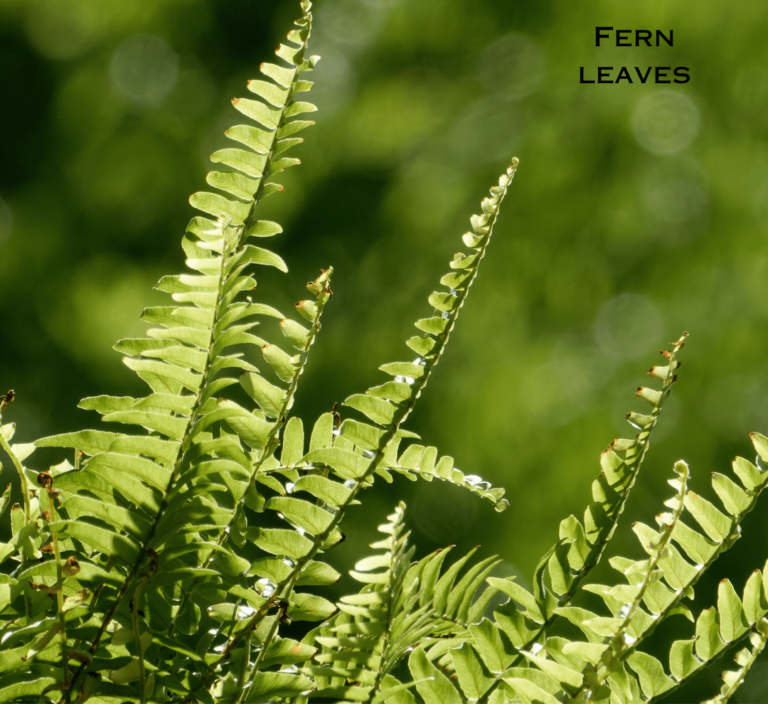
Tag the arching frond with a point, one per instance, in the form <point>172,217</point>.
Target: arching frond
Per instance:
<point>417,461</point>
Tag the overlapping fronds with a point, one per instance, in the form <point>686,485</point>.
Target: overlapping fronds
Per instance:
<point>162,517</point>
<point>161,523</point>
<point>171,561</point>
<point>153,516</point>
<point>357,450</point>
<point>629,621</point>
<point>609,665</point>
<point>404,608</point>
<point>717,531</point>
<point>181,490</point>
<point>582,543</point>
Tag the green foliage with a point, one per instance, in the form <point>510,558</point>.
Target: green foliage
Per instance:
<point>179,560</point>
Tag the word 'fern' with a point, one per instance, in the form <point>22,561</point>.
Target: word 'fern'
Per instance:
<point>182,558</point>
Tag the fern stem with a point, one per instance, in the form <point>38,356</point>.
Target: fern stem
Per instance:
<point>244,666</point>
<point>262,653</point>
<point>59,592</point>
<point>22,480</point>
<point>758,638</point>
<point>400,415</point>
<point>390,614</point>
<point>25,496</point>
<point>273,437</point>
<point>137,639</point>
<point>62,619</point>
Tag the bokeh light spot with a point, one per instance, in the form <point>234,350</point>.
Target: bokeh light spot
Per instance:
<point>144,69</point>
<point>679,208</point>
<point>486,129</point>
<point>665,122</point>
<point>334,79</point>
<point>580,368</point>
<point>347,23</point>
<point>513,66</point>
<point>59,30</point>
<point>627,325</point>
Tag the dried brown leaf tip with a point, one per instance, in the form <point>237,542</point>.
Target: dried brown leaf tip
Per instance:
<point>45,480</point>
<point>71,567</point>
<point>7,398</point>
<point>152,564</point>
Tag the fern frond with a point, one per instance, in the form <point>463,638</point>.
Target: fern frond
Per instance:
<point>417,461</point>
<point>719,532</point>
<point>579,671</point>
<point>274,114</point>
<point>395,399</point>
<point>403,608</point>
<point>623,629</point>
<point>581,544</point>
<point>179,490</point>
<point>609,662</point>
<point>168,561</point>
<point>358,450</point>
<point>717,629</point>
<point>356,641</point>
<point>723,627</point>
<point>414,462</point>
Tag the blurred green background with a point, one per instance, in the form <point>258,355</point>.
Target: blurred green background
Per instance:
<point>639,211</point>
